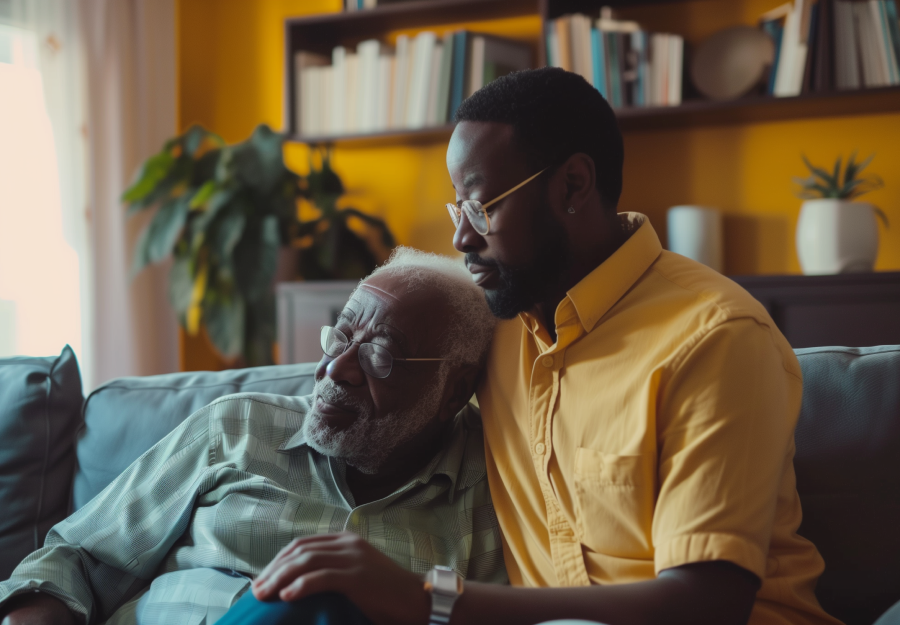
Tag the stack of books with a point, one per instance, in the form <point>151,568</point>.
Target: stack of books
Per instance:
<point>419,83</point>
<point>628,65</point>
<point>822,45</point>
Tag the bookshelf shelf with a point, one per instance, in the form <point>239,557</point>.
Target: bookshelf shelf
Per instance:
<point>691,114</point>
<point>320,33</point>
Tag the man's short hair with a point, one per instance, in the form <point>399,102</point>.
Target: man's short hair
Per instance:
<point>468,335</point>
<point>554,114</point>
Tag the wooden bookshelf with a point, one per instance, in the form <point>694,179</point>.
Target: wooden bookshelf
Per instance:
<point>321,33</point>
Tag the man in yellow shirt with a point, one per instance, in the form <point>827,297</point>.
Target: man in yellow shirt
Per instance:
<point>638,407</point>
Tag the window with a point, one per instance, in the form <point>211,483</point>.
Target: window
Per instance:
<point>40,295</point>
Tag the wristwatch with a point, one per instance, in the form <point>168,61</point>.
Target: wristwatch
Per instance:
<point>445,587</point>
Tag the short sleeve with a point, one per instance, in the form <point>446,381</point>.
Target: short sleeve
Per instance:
<point>725,429</point>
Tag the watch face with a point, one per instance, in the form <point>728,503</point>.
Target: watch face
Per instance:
<point>445,580</point>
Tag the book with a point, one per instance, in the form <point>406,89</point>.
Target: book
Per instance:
<point>873,75</point>
<point>305,88</point>
<point>386,63</point>
<point>502,57</point>
<point>676,69</point>
<point>434,76</point>
<point>823,70</point>
<point>368,53</point>
<point>811,49</point>
<point>420,67</point>
<point>775,29</point>
<point>599,63</point>
<point>443,96</point>
<point>476,65</point>
<point>885,43</point>
<point>351,118</point>
<point>401,77</point>
<point>563,35</point>
<point>580,37</point>
<point>847,67</point>
<point>893,23</point>
<point>458,73</point>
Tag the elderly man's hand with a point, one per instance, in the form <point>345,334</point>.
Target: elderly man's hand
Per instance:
<point>348,564</point>
<point>36,609</point>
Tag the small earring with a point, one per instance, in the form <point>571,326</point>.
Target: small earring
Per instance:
<point>571,209</point>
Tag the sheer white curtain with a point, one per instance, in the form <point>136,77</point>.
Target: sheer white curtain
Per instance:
<point>130,55</point>
<point>87,92</point>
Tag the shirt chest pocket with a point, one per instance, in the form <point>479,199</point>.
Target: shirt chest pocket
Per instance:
<point>614,497</point>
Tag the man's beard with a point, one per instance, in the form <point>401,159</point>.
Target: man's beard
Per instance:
<point>522,288</point>
<point>368,442</point>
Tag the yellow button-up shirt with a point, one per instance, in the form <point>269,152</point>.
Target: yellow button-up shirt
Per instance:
<point>655,432</point>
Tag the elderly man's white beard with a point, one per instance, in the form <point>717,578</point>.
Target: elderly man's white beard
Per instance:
<point>367,443</point>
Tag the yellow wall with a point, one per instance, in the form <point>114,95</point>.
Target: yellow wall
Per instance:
<point>231,63</point>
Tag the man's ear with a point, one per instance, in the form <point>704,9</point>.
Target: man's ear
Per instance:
<point>580,180</point>
<point>458,393</point>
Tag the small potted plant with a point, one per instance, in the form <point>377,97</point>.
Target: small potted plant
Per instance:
<point>225,213</point>
<point>835,233</point>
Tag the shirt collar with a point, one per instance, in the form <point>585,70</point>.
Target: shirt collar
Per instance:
<point>461,459</point>
<point>604,286</point>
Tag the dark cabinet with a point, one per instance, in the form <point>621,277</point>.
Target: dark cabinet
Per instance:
<point>854,310</point>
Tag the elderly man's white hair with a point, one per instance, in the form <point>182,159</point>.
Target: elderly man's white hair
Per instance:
<point>471,323</point>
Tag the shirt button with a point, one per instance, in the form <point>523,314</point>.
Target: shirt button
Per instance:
<point>547,361</point>
<point>539,448</point>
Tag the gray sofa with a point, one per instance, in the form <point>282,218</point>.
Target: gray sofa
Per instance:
<point>58,450</point>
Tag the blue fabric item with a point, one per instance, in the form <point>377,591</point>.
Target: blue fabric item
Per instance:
<point>891,617</point>
<point>127,416</point>
<point>848,476</point>
<point>323,609</point>
<point>40,411</point>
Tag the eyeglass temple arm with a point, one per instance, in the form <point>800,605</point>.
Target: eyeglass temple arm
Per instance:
<point>515,188</point>
<point>413,359</point>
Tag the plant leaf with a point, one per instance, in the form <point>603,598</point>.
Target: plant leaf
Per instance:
<point>224,314</point>
<point>181,286</point>
<point>198,294</point>
<point>226,233</point>
<point>201,197</point>
<point>153,171</point>
<point>882,216</point>
<point>193,139</point>
<point>256,258</point>
<point>820,173</point>
<point>259,161</point>
<point>387,238</point>
<point>160,236</point>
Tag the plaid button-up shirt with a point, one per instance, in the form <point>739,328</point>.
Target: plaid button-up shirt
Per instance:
<point>177,537</point>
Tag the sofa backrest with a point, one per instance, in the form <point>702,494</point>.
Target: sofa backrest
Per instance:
<point>127,416</point>
<point>848,475</point>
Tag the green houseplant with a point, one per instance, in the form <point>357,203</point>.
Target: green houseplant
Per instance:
<point>223,212</point>
<point>835,232</point>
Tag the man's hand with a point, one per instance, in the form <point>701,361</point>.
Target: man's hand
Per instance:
<point>36,608</point>
<point>346,563</point>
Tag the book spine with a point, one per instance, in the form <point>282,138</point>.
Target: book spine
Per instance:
<point>599,63</point>
<point>460,44</point>
<point>775,30</point>
<point>401,73</point>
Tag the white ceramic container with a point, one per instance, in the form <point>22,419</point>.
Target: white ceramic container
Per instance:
<point>696,232</point>
<point>837,236</point>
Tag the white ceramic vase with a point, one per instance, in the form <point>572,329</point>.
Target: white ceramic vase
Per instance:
<point>837,236</point>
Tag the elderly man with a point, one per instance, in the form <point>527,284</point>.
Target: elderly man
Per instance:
<point>386,449</point>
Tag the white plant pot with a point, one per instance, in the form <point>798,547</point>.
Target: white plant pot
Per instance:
<point>837,236</point>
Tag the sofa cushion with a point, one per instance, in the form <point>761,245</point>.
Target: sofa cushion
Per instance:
<point>40,411</point>
<point>848,475</point>
<point>127,416</point>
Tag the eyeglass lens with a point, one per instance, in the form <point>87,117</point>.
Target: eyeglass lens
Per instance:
<point>474,213</point>
<point>375,360</point>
